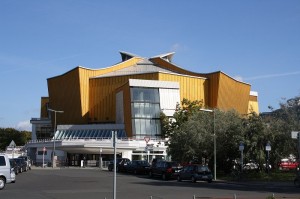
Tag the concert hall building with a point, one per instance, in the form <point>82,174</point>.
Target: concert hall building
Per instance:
<point>84,106</point>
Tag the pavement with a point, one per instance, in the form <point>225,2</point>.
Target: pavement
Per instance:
<point>243,182</point>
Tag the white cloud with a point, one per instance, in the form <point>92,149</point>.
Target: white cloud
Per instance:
<point>24,126</point>
<point>178,47</point>
<point>272,75</point>
<point>239,78</point>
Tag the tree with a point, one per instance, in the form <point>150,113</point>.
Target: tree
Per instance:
<point>9,134</point>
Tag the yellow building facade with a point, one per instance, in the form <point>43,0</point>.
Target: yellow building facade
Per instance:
<point>126,98</point>
<point>88,96</point>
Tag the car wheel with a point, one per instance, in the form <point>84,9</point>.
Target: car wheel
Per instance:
<point>164,176</point>
<point>297,182</point>
<point>21,170</point>
<point>194,179</point>
<point>178,179</point>
<point>2,183</point>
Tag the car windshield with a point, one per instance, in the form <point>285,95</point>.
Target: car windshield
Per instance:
<point>203,168</point>
<point>143,163</point>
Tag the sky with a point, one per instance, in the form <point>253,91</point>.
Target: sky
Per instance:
<point>255,41</point>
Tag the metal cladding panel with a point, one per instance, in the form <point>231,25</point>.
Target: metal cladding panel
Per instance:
<point>64,94</point>
<point>153,83</point>
<point>233,94</point>
<point>119,108</point>
<point>169,98</point>
<point>253,107</point>
<point>253,102</point>
<point>44,106</point>
<point>191,87</point>
<point>70,92</point>
<point>102,96</point>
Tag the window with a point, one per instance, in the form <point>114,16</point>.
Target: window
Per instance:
<point>2,161</point>
<point>41,153</point>
<point>145,109</point>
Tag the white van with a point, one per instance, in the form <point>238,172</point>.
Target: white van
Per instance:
<point>7,174</point>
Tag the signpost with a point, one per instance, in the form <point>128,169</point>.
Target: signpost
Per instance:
<point>44,150</point>
<point>147,139</point>
<point>296,135</point>
<point>268,149</point>
<point>241,148</point>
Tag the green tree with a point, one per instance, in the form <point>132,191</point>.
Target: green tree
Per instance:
<point>9,134</point>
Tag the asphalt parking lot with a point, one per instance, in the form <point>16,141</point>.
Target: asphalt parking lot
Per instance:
<point>77,183</point>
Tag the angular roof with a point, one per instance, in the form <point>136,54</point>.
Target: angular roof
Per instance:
<point>143,66</point>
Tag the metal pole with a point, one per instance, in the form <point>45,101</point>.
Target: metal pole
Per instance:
<point>115,164</point>
<point>242,161</point>
<point>215,147</point>
<point>215,142</point>
<point>100,159</point>
<point>53,154</point>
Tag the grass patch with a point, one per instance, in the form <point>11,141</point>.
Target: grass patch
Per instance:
<point>260,176</point>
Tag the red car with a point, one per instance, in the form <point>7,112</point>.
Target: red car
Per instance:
<point>286,164</point>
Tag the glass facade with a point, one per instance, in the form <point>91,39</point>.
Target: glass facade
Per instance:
<point>145,109</point>
<point>44,131</point>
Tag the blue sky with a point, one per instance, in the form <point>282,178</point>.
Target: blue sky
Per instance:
<point>256,41</point>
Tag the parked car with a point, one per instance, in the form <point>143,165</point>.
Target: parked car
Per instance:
<point>14,165</point>
<point>287,164</point>
<point>7,174</point>
<point>195,172</point>
<point>137,167</point>
<point>165,169</point>
<point>120,166</point>
<point>21,164</point>
<point>297,178</point>
<point>27,161</point>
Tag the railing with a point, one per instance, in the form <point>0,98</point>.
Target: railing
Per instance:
<point>93,139</point>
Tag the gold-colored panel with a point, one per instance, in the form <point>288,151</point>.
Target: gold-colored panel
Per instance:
<point>102,96</point>
<point>44,103</point>
<point>253,107</point>
<point>70,92</point>
<point>233,94</point>
<point>191,87</point>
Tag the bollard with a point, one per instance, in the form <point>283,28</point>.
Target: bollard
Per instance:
<point>150,197</point>
<point>194,197</point>
<point>234,196</point>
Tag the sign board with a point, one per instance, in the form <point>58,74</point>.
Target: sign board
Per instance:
<point>294,134</point>
<point>241,147</point>
<point>147,139</point>
<point>149,147</point>
<point>268,147</point>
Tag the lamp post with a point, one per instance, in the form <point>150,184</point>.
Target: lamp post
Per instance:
<point>100,159</point>
<point>114,136</point>
<point>53,154</point>
<point>215,141</point>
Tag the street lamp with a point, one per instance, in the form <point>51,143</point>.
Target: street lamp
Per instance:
<point>215,143</point>
<point>53,154</point>
<point>100,159</point>
<point>114,137</point>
